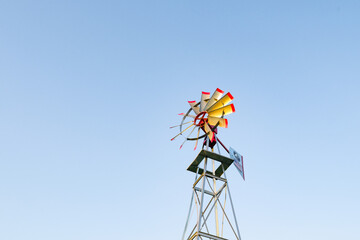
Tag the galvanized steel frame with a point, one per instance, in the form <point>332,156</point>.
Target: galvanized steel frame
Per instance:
<point>202,176</point>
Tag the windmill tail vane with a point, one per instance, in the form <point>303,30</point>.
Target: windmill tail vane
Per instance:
<point>206,116</point>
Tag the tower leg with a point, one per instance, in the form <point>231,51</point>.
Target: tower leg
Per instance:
<point>202,200</point>
<point>233,210</point>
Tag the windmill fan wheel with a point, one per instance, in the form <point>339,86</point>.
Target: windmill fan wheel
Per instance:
<point>208,115</point>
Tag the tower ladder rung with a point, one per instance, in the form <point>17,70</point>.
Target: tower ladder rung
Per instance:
<point>207,235</point>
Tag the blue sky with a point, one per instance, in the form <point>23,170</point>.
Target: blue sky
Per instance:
<point>88,90</point>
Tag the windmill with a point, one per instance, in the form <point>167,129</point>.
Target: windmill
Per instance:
<point>211,192</point>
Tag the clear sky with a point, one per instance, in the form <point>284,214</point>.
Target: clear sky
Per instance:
<point>88,90</point>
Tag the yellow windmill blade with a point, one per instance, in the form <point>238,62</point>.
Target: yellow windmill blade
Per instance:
<point>182,132</point>
<point>214,120</point>
<point>189,115</point>
<point>182,124</point>
<point>222,111</point>
<point>209,132</point>
<point>204,98</point>
<point>226,99</point>
<point>197,138</point>
<point>214,98</point>
<point>187,137</point>
<point>195,108</point>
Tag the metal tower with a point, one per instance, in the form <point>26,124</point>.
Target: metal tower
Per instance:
<point>210,191</point>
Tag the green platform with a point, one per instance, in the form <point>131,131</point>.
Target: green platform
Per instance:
<point>225,162</point>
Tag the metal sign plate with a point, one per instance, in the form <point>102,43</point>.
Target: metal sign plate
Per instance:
<point>238,161</point>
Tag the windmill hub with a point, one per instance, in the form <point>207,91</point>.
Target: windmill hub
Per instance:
<point>200,119</point>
